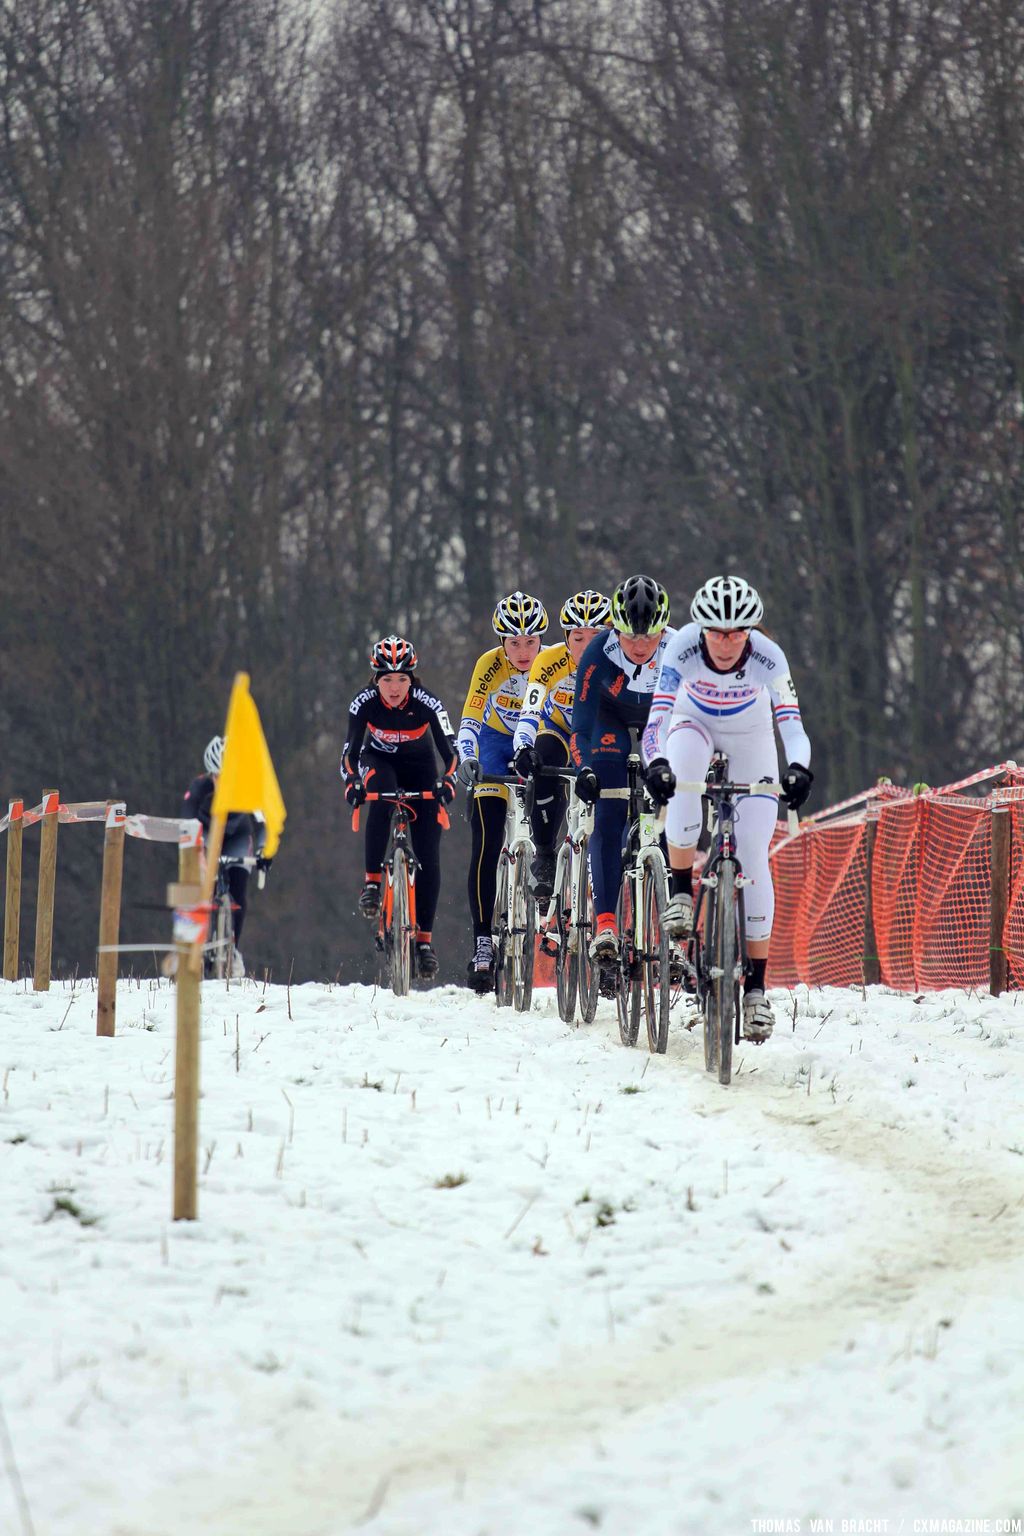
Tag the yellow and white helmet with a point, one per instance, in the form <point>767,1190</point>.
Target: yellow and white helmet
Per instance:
<point>585,610</point>
<point>520,614</point>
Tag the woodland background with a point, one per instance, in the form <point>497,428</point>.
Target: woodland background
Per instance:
<point>317,323</point>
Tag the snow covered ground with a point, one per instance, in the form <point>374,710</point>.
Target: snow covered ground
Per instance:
<point>458,1271</point>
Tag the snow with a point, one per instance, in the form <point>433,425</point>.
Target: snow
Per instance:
<point>676,1309</point>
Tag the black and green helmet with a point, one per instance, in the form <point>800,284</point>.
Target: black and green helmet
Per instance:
<point>640,606</point>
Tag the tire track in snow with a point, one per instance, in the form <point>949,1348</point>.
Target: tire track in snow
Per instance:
<point>949,1217</point>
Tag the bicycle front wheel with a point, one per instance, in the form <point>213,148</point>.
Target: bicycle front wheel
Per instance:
<point>629,991</point>
<point>500,938</point>
<point>524,924</point>
<point>585,928</point>
<point>567,961</point>
<point>224,937</point>
<point>400,946</point>
<point>723,991</point>
<point>655,963</point>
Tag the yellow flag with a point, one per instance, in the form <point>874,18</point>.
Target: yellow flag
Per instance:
<point>247,781</point>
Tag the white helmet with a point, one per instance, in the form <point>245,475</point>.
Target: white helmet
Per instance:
<point>214,754</point>
<point>727,602</point>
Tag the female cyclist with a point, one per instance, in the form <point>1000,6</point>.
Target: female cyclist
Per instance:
<point>395,727</point>
<point>489,719</point>
<point>720,682</point>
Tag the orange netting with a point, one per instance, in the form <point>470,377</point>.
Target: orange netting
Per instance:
<point>931,889</point>
<point>951,921</point>
<point>894,890</point>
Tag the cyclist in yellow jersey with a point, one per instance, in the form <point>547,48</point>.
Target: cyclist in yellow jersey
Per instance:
<point>542,735</point>
<point>489,719</point>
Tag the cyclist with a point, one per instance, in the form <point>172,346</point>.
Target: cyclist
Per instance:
<point>721,679</point>
<point>244,837</point>
<point>395,727</point>
<point>489,719</point>
<point>542,736</point>
<point>616,680</point>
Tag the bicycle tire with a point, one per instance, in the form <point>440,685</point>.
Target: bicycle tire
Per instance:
<point>499,938</point>
<point>524,928</point>
<point>401,934</point>
<point>224,937</point>
<point>587,988</point>
<point>655,961</point>
<point>724,986</point>
<point>629,990</point>
<point>567,960</point>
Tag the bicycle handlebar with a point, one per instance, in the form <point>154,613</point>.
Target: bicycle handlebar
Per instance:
<point>398,794</point>
<point>400,797</point>
<point>717,791</point>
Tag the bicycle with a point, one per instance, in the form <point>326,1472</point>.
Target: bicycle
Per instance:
<point>220,947</point>
<point>514,916</point>
<point>717,959</point>
<point>396,927</point>
<point>645,967</point>
<point>576,975</point>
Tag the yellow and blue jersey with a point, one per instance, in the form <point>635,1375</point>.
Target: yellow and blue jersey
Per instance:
<point>491,711</point>
<point>547,705</point>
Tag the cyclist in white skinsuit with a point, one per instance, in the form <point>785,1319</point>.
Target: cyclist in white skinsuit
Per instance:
<point>720,684</point>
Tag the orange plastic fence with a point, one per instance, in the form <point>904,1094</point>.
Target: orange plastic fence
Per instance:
<point>931,891</point>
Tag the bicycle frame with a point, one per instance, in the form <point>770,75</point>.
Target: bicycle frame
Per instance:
<point>513,922</point>
<point>219,946</point>
<point>645,965</point>
<point>722,870</point>
<point>398,890</point>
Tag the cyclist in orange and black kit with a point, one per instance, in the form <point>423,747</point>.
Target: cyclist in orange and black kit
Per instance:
<point>395,728</point>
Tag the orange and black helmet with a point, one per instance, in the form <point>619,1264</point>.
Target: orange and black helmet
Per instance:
<point>393,654</point>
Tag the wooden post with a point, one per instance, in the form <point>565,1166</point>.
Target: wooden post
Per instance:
<point>872,967</point>
<point>47,885</point>
<point>12,907</point>
<point>1000,866</point>
<point>186,1054</point>
<point>110,919</point>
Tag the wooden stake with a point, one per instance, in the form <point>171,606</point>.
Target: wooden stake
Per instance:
<point>47,885</point>
<point>1001,828</point>
<point>12,907</point>
<point>186,1063</point>
<point>110,918</point>
<point>872,966</point>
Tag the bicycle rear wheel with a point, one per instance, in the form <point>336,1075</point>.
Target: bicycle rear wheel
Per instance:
<point>400,946</point>
<point>588,973</point>
<point>629,990</point>
<point>500,938</point>
<point>722,1000</point>
<point>567,961</point>
<point>655,963</point>
<point>524,924</point>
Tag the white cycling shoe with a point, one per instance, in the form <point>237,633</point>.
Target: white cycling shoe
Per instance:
<point>678,920</point>
<point>758,1018</point>
<point>604,949</point>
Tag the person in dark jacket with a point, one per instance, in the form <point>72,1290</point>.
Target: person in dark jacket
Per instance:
<point>244,837</point>
<point>397,731</point>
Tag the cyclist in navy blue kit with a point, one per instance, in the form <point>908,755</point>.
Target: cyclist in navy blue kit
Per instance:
<point>614,686</point>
